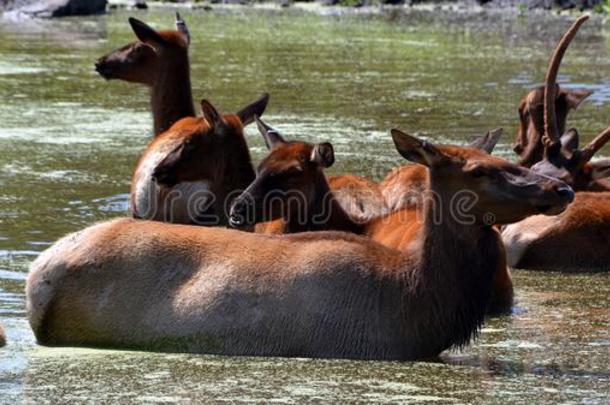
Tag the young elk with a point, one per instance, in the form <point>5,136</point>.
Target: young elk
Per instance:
<point>160,61</point>
<point>291,180</point>
<point>188,173</point>
<point>317,294</point>
<point>578,239</point>
<point>291,185</point>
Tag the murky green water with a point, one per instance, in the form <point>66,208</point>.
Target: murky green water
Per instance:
<point>69,140</point>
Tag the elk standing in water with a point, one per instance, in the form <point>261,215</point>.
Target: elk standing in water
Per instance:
<point>291,185</point>
<point>320,294</point>
<point>160,61</point>
<point>578,239</point>
<point>190,173</point>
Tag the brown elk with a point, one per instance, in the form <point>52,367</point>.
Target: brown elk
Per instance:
<point>561,158</point>
<point>157,286</point>
<point>528,142</point>
<point>291,185</point>
<point>578,239</point>
<point>159,60</point>
<point>190,172</point>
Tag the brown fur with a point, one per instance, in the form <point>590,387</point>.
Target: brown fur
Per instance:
<point>577,240</point>
<point>162,65</point>
<point>278,171</point>
<point>158,286</point>
<point>404,187</point>
<point>218,165</point>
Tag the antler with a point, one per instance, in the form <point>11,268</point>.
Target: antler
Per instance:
<point>181,27</point>
<point>550,139</point>
<point>594,146</point>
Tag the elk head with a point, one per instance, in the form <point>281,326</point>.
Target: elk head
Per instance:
<point>154,52</point>
<point>562,157</point>
<point>203,148</point>
<point>546,108</point>
<point>528,143</point>
<point>287,180</point>
<point>497,189</point>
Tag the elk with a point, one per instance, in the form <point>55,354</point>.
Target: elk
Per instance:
<point>577,240</point>
<point>528,141</point>
<point>291,185</point>
<point>188,173</point>
<point>167,287</point>
<point>159,60</point>
<point>562,158</point>
<point>404,186</point>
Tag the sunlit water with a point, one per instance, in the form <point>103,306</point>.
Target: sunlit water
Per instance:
<point>69,142</point>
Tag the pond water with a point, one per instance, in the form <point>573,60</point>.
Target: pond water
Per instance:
<point>69,142</point>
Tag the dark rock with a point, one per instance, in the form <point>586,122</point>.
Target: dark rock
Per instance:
<point>54,8</point>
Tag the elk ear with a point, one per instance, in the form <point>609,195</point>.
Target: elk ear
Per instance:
<point>574,98</point>
<point>488,141</point>
<point>256,108</point>
<point>182,28</point>
<point>144,32</point>
<point>323,154</point>
<point>600,169</point>
<point>270,135</point>
<point>416,150</point>
<point>211,115</point>
<point>570,140</point>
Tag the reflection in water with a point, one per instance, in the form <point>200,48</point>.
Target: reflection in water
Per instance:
<point>69,142</point>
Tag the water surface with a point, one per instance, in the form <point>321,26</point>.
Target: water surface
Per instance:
<point>69,142</point>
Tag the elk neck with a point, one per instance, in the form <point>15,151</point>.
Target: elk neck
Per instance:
<point>323,212</point>
<point>448,289</point>
<point>171,96</point>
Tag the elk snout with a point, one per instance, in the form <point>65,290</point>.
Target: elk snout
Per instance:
<point>561,195</point>
<point>239,215</point>
<point>565,193</point>
<point>164,178</point>
<point>104,69</point>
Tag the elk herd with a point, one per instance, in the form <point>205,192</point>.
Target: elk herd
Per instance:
<point>221,257</point>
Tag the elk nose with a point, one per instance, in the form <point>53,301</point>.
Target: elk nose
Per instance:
<point>238,213</point>
<point>565,193</point>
